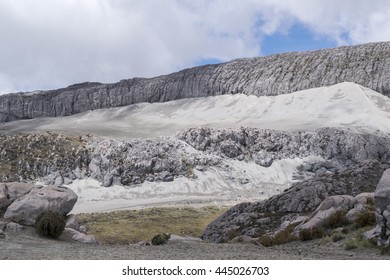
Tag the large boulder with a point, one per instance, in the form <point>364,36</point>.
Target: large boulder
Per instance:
<point>382,207</point>
<point>4,198</point>
<point>18,189</point>
<point>9,192</point>
<point>327,208</point>
<point>26,209</point>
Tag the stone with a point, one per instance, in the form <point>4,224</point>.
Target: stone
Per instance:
<point>326,209</point>
<point>182,239</point>
<point>70,234</point>
<point>14,228</point>
<point>243,181</point>
<point>301,198</point>
<point>263,221</point>
<point>382,192</point>
<point>382,205</point>
<point>245,239</point>
<point>200,168</point>
<point>4,197</point>
<point>72,222</point>
<point>2,225</point>
<point>26,209</point>
<point>372,234</point>
<point>18,189</point>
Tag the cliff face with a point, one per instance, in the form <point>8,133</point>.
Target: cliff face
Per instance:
<point>367,65</point>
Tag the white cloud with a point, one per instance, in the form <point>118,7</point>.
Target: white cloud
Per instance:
<point>53,43</point>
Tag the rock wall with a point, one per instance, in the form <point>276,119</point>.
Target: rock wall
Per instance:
<point>367,65</point>
<point>59,159</point>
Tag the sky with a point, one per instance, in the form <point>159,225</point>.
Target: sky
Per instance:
<point>48,44</point>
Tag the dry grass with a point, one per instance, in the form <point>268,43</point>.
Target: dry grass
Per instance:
<point>122,227</point>
<point>281,237</point>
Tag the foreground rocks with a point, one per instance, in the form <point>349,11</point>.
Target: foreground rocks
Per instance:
<point>307,205</point>
<point>25,202</point>
<point>27,208</point>
<point>382,205</point>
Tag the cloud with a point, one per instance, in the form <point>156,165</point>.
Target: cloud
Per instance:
<point>347,22</point>
<point>48,44</point>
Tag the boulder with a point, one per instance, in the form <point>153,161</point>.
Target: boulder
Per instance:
<point>18,189</point>
<point>179,239</point>
<point>326,209</point>
<point>72,222</point>
<point>2,225</point>
<point>382,192</point>
<point>26,209</point>
<point>382,206</point>
<point>71,234</point>
<point>363,202</point>
<point>4,198</point>
<point>14,228</point>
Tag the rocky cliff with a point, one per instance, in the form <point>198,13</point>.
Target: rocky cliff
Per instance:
<point>367,65</point>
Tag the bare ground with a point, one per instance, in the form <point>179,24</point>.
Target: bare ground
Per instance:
<point>30,246</point>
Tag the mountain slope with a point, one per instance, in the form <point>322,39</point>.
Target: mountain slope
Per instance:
<point>345,105</point>
<point>368,65</point>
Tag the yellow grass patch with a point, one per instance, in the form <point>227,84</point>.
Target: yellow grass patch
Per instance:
<point>130,226</point>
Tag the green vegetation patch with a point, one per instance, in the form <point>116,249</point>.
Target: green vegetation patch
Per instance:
<point>131,226</point>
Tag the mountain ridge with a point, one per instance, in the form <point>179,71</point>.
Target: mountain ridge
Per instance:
<point>345,105</point>
<point>367,65</point>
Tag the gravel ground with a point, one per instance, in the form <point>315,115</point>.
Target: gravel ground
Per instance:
<point>30,246</point>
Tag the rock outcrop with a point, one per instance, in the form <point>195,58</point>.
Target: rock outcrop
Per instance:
<point>382,205</point>
<point>25,202</point>
<point>301,199</point>
<point>26,209</point>
<point>58,159</point>
<point>367,65</point>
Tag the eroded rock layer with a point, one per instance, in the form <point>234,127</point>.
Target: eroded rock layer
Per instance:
<point>367,65</point>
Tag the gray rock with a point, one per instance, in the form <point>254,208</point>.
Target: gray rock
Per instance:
<point>302,197</point>
<point>382,192</point>
<point>182,239</point>
<point>372,234</point>
<point>326,209</point>
<point>2,225</point>
<point>272,75</point>
<point>243,181</point>
<point>263,221</point>
<point>245,239</point>
<point>26,209</point>
<point>200,168</point>
<point>4,197</point>
<point>12,228</point>
<point>18,189</point>
<point>363,202</point>
<point>70,234</point>
<point>382,205</point>
<point>72,222</point>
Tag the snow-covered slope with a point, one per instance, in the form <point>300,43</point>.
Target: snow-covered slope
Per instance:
<point>342,105</point>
